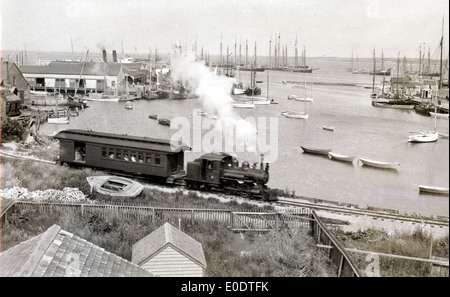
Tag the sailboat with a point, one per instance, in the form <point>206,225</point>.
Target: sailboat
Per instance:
<point>431,136</point>
<point>238,87</point>
<point>58,116</point>
<point>427,136</point>
<point>296,114</point>
<point>265,101</point>
<point>306,98</point>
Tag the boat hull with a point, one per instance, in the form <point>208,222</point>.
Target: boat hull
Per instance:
<point>395,106</point>
<point>433,190</point>
<point>340,157</point>
<point>244,105</point>
<point>316,151</point>
<point>115,186</point>
<point>295,114</point>
<point>61,120</point>
<point>424,137</point>
<point>379,164</point>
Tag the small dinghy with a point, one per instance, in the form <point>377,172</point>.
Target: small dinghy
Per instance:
<point>115,186</point>
<point>433,190</point>
<point>379,164</point>
<point>340,157</point>
<point>316,151</point>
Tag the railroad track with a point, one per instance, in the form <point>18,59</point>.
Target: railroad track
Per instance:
<point>355,211</point>
<point>292,202</point>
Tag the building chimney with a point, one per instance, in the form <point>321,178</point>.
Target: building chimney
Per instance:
<point>114,56</point>
<point>104,56</point>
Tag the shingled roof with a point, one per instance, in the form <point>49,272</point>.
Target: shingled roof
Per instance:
<point>168,235</point>
<point>59,253</point>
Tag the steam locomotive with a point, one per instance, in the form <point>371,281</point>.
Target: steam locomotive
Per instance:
<point>162,160</point>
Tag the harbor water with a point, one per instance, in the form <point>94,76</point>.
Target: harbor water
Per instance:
<point>342,100</point>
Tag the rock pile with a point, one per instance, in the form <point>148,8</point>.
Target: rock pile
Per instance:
<point>50,195</point>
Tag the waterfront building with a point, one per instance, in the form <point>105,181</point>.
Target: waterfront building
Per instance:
<point>13,78</point>
<point>66,76</point>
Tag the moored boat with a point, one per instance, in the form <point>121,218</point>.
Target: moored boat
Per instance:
<point>421,137</point>
<point>393,105</point>
<point>379,164</point>
<point>101,97</point>
<point>164,122</point>
<point>340,157</point>
<point>433,190</point>
<point>295,114</point>
<point>244,105</point>
<point>328,128</point>
<point>317,151</point>
<point>115,186</point>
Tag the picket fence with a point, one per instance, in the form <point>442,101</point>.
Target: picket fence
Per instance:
<point>241,221</point>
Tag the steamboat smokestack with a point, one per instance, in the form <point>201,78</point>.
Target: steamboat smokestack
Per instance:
<point>104,56</point>
<point>261,165</point>
<point>114,53</point>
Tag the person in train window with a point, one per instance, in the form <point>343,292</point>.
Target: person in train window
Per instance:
<point>111,155</point>
<point>125,157</point>
<point>141,160</point>
<point>133,158</point>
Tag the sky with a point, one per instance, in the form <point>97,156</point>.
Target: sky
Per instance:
<point>334,28</point>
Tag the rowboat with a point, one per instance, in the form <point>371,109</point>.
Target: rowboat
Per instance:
<point>340,157</point>
<point>164,122</point>
<point>115,186</point>
<point>129,105</point>
<point>316,151</point>
<point>434,190</point>
<point>379,164</point>
<point>328,128</point>
<point>295,114</point>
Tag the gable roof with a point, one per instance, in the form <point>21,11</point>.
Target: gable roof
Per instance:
<point>59,253</point>
<point>168,235</point>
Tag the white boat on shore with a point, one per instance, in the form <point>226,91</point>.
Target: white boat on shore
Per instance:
<point>340,157</point>
<point>115,186</point>
<point>379,164</point>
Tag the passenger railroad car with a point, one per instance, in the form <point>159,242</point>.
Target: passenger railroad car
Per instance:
<point>125,153</point>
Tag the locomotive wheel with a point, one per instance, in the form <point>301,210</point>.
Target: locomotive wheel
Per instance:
<point>244,191</point>
<point>244,194</point>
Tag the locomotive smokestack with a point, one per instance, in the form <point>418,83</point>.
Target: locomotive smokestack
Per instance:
<point>104,56</point>
<point>114,56</point>
<point>261,165</point>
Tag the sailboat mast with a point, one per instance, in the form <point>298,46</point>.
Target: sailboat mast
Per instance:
<point>373,77</point>
<point>440,64</point>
